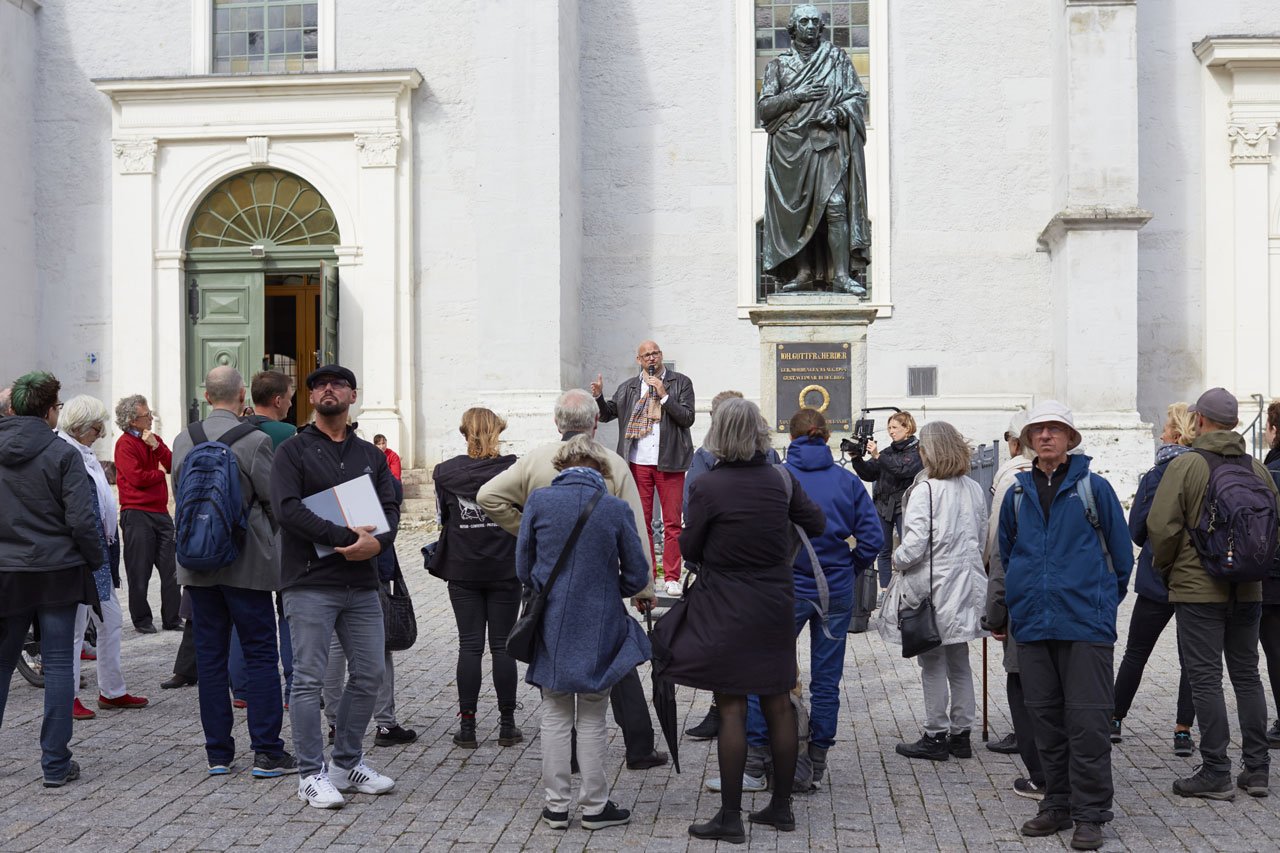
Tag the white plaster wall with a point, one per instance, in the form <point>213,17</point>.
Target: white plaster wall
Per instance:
<point>81,40</point>
<point>971,186</point>
<point>19,36</point>
<point>1171,285</point>
<point>659,195</point>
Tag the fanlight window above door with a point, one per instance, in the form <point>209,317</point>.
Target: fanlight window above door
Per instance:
<point>262,207</point>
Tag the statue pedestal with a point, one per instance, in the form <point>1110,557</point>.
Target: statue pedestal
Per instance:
<point>813,353</point>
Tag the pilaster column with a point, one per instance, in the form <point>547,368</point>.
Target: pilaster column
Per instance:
<point>135,320</point>
<point>1250,168</point>
<point>377,295</point>
<point>1092,239</point>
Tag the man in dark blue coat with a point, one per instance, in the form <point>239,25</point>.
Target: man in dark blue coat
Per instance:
<point>1065,546</point>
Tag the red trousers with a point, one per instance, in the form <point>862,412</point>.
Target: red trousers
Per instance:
<point>670,488</point>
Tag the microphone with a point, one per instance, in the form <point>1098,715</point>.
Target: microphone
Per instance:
<point>652,369</point>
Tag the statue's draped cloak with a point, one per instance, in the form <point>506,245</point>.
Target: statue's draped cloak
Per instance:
<point>806,162</point>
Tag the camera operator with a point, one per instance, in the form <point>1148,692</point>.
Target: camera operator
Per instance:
<point>892,471</point>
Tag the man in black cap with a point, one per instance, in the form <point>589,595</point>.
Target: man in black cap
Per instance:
<point>1216,617</point>
<point>337,593</point>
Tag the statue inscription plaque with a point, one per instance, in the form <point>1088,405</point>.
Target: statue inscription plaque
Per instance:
<point>814,376</point>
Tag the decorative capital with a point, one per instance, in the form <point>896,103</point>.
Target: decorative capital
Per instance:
<point>258,149</point>
<point>135,156</point>
<point>1251,143</point>
<point>378,149</point>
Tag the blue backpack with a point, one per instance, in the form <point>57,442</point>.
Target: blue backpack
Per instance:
<point>1236,536</point>
<point>211,518</point>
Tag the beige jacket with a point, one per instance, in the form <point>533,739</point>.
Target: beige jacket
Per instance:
<point>503,498</point>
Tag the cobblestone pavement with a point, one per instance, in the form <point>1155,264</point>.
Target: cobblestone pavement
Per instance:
<point>144,785</point>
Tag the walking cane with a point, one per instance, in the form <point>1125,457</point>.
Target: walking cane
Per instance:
<point>984,689</point>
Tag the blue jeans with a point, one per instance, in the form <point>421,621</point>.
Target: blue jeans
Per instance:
<point>826,667</point>
<point>57,627</point>
<point>216,609</point>
<point>236,667</point>
<point>316,614</point>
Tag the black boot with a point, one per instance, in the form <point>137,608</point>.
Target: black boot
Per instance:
<point>959,746</point>
<point>932,747</point>
<point>508,734</point>
<point>725,826</point>
<point>466,736</point>
<point>708,728</point>
<point>777,814</point>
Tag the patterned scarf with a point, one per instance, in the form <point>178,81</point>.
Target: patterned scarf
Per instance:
<point>647,413</point>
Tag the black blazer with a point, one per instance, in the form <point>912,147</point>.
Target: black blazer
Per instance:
<point>675,447</point>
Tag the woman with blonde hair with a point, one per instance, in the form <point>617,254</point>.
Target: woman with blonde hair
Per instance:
<point>478,560</point>
<point>1153,610</point>
<point>943,533</point>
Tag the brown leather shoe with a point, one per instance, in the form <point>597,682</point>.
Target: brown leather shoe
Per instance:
<point>1088,836</point>
<point>1048,822</point>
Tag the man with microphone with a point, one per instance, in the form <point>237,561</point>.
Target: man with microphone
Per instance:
<point>657,405</point>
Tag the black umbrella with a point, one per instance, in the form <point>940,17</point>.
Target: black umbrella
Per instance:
<point>664,703</point>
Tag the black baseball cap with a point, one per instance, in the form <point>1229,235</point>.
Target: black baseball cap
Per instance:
<point>335,370</point>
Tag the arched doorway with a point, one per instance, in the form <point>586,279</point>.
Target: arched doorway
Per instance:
<point>262,282</point>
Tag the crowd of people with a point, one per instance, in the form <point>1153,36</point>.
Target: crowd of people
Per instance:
<point>281,608</point>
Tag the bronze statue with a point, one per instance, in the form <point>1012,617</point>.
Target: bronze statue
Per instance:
<point>814,107</point>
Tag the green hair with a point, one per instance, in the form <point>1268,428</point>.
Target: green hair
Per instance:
<point>35,393</point>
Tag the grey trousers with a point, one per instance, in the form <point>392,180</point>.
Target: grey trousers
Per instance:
<point>561,713</point>
<point>1069,692</point>
<point>1206,634</point>
<point>949,702</point>
<point>316,615</point>
<point>384,712</point>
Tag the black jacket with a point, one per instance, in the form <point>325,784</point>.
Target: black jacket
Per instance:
<point>472,548</point>
<point>675,447</point>
<point>48,515</point>
<point>311,462</point>
<point>1271,583</point>
<point>892,473</point>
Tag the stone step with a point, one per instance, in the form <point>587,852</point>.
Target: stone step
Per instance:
<point>419,490</point>
<point>415,476</point>
<point>418,508</point>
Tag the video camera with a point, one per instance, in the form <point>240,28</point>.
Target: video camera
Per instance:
<point>863,431</point>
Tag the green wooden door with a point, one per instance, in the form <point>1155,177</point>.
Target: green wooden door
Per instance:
<point>328,343</point>
<point>224,326</point>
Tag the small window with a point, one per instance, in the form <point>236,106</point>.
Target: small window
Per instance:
<point>922,381</point>
<point>264,36</point>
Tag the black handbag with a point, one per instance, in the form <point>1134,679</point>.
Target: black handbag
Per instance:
<point>919,625</point>
<point>522,639</point>
<point>398,619</point>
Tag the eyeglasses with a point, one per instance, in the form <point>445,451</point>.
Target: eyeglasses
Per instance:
<point>654,354</point>
<point>340,384</point>
<point>142,415</point>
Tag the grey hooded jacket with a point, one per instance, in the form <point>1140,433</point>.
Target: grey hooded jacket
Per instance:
<point>48,521</point>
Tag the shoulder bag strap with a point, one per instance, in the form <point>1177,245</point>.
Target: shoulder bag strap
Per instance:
<point>819,577</point>
<point>930,486</point>
<point>571,541</point>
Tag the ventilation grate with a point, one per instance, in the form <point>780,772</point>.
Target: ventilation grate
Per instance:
<point>922,381</point>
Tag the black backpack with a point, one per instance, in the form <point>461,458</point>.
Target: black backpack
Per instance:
<point>1239,524</point>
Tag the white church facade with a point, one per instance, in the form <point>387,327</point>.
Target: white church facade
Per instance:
<point>482,204</point>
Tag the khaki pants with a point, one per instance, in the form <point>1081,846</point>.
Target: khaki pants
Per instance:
<point>561,712</point>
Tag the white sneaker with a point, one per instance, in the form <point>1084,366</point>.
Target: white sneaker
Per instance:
<point>750,784</point>
<point>362,778</point>
<point>674,589</point>
<point>318,792</point>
